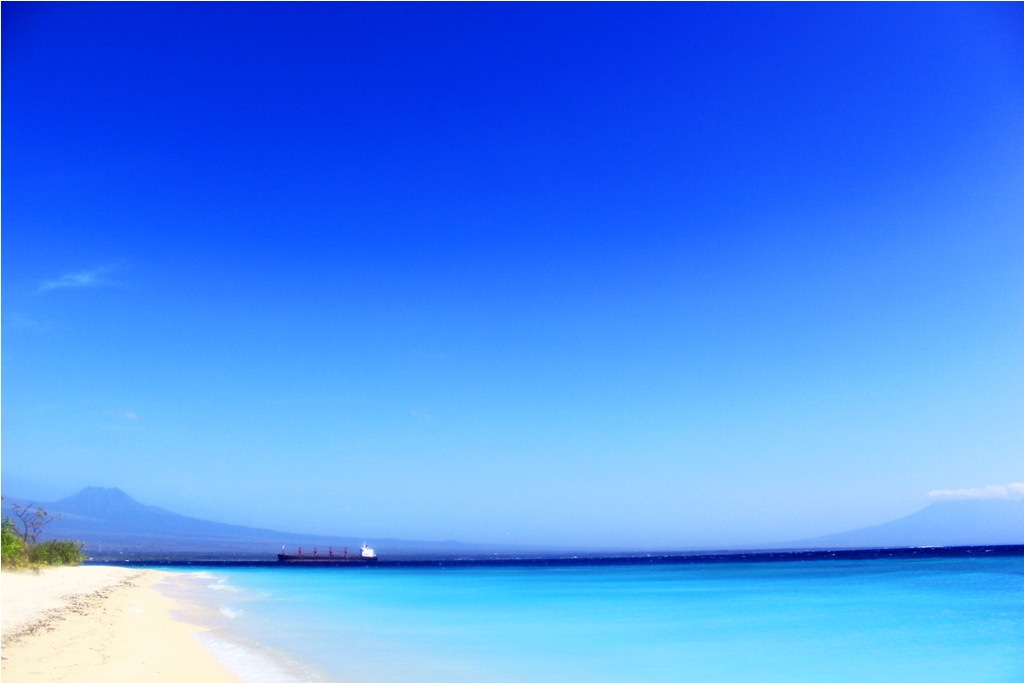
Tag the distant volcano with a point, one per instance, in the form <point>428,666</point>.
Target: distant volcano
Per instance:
<point>948,523</point>
<point>114,525</point>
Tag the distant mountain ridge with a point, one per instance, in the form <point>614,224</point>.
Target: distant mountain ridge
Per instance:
<point>946,523</point>
<point>112,524</point>
<point>101,503</point>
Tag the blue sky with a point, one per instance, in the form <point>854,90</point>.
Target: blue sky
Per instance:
<point>659,275</point>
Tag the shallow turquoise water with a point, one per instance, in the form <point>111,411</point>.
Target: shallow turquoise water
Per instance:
<point>904,620</point>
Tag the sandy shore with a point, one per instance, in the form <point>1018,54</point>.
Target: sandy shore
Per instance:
<point>88,624</point>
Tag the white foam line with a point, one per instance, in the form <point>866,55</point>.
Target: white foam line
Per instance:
<point>223,585</point>
<point>248,663</point>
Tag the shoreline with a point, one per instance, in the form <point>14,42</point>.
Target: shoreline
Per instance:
<point>94,624</point>
<point>755,555</point>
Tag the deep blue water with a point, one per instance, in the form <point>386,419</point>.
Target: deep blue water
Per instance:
<point>927,620</point>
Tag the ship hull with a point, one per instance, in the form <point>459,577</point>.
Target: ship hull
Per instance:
<point>325,559</point>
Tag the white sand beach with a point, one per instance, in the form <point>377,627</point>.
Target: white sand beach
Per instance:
<point>89,624</point>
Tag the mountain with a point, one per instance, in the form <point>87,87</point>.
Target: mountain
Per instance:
<point>112,524</point>
<point>947,523</point>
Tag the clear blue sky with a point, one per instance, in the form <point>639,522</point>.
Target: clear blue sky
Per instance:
<point>662,275</point>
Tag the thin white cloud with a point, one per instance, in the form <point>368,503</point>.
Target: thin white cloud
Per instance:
<point>85,278</point>
<point>123,415</point>
<point>15,320</point>
<point>1006,492</point>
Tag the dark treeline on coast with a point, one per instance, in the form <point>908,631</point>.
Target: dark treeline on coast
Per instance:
<point>848,554</point>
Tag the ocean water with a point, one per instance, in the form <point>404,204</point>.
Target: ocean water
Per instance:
<point>905,620</point>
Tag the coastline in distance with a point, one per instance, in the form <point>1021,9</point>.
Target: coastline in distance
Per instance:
<point>115,526</point>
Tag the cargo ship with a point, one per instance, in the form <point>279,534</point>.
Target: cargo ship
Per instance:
<point>366,554</point>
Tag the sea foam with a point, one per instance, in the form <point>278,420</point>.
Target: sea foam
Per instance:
<point>222,585</point>
<point>230,613</point>
<point>253,663</point>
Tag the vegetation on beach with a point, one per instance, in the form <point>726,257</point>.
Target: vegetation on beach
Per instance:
<point>20,549</point>
<point>12,547</point>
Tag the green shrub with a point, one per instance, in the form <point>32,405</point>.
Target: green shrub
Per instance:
<point>12,552</point>
<point>16,553</point>
<point>56,553</point>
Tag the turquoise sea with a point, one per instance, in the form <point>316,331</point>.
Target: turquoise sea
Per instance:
<point>907,620</point>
